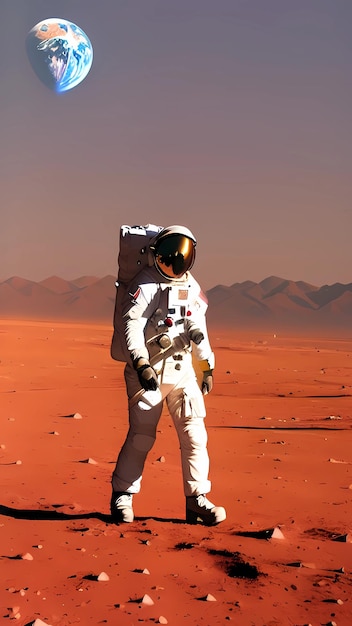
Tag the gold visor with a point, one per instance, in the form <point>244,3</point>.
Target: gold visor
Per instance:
<point>174,255</point>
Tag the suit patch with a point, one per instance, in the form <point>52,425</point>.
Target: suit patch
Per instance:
<point>182,294</point>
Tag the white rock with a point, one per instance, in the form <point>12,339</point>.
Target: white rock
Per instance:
<point>147,600</point>
<point>162,620</point>
<point>277,534</point>
<point>77,416</point>
<point>103,576</point>
<point>39,622</point>
<point>210,598</point>
<point>27,557</point>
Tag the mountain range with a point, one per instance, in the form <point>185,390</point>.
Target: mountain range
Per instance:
<point>274,303</point>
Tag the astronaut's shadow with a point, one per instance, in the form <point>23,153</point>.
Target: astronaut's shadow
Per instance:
<point>56,516</point>
<point>50,515</point>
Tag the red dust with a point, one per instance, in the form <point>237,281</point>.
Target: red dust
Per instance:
<point>280,442</point>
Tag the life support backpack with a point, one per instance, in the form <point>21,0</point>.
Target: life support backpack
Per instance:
<point>133,256</point>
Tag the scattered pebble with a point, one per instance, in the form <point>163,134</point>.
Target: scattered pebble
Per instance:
<point>103,577</point>
<point>337,461</point>
<point>90,461</point>
<point>161,459</point>
<point>147,600</point>
<point>162,620</point>
<point>276,533</point>
<point>75,416</point>
<point>210,598</point>
<point>26,557</point>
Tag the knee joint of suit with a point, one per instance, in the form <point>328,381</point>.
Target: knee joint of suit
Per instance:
<point>197,435</point>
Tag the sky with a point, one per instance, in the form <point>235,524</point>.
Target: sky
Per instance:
<point>230,117</point>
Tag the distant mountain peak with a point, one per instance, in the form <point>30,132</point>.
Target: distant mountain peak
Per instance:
<point>272,303</point>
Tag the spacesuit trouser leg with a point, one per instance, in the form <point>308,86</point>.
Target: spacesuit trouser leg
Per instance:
<point>144,416</point>
<point>186,406</point>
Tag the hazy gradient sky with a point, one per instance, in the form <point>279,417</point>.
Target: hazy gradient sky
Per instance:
<point>232,117</point>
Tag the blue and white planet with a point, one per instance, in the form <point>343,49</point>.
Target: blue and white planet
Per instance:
<point>60,53</point>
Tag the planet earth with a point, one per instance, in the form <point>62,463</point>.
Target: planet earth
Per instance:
<point>60,53</point>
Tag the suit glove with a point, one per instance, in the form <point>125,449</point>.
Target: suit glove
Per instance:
<point>196,336</point>
<point>207,383</point>
<point>147,377</point>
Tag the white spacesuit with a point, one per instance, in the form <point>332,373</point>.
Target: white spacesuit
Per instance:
<point>164,325</point>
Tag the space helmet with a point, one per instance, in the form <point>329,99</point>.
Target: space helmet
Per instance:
<point>174,251</point>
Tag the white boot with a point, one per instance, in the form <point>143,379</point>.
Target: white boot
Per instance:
<point>121,507</point>
<point>200,508</point>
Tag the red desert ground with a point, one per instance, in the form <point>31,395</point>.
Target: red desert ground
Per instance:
<point>279,422</point>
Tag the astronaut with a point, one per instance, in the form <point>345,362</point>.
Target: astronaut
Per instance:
<point>164,325</point>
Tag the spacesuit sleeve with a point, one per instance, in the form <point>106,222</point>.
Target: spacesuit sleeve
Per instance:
<point>202,352</point>
<point>137,306</point>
